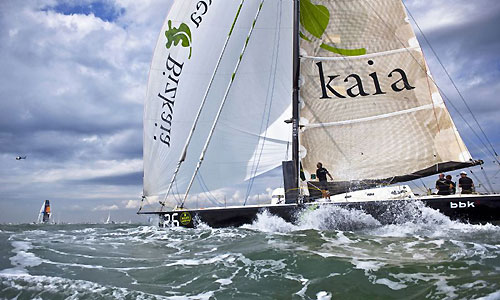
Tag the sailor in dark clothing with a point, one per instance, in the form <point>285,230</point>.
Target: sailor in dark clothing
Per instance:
<point>321,175</point>
<point>322,172</point>
<point>465,183</point>
<point>442,186</point>
<point>453,185</point>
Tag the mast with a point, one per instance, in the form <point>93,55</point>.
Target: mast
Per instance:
<point>295,93</point>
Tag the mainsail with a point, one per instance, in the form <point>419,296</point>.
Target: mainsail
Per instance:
<point>370,109</point>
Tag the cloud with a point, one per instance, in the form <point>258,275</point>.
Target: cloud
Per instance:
<point>133,204</point>
<point>106,207</point>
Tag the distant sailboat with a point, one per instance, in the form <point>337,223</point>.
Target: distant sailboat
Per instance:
<point>108,220</point>
<point>238,89</point>
<point>44,216</point>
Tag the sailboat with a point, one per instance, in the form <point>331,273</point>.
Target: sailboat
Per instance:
<point>44,216</point>
<point>239,90</point>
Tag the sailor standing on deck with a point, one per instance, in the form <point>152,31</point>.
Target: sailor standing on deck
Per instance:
<point>465,183</point>
<point>321,175</point>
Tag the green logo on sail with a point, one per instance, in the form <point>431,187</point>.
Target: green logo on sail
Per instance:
<point>178,35</point>
<point>315,19</point>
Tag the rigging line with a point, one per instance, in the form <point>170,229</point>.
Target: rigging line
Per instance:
<point>425,70</point>
<point>494,176</point>
<point>202,104</point>
<point>452,81</point>
<point>470,127</point>
<point>174,196</point>
<point>480,182</point>
<point>493,154</point>
<point>206,190</point>
<point>272,75</point>
<point>426,188</point>
<point>487,180</point>
<point>209,138</point>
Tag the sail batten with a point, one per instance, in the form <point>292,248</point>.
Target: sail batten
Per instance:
<point>365,56</point>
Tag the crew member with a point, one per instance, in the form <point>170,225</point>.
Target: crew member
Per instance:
<point>321,175</point>
<point>465,183</point>
<point>322,172</point>
<point>453,185</point>
<point>442,186</point>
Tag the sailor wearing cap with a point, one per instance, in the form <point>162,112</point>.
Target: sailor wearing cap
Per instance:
<point>465,183</point>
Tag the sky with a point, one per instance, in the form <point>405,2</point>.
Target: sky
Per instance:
<point>74,77</point>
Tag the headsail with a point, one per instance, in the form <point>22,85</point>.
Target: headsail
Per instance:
<point>250,137</point>
<point>370,110</point>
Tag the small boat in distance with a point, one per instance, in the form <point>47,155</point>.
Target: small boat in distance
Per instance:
<point>44,216</point>
<point>108,220</point>
<point>20,157</point>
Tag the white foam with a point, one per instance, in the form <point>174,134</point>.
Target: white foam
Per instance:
<point>391,284</point>
<point>225,281</point>
<point>322,295</point>
<point>335,218</point>
<point>492,296</point>
<point>22,259</point>
<point>267,222</point>
<point>72,289</point>
<point>444,289</point>
<point>201,296</point>
<point>367,265</point>
<point>196,262</point>
<point>319,218</point>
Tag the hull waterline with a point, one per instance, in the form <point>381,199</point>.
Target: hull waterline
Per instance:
<point>475,209</point>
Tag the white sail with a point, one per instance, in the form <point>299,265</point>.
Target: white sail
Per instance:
<point>39,219</point>
<point>370,109</point>
<point>250,137</point>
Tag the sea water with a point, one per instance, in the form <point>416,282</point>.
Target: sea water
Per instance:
<point>331,254</point>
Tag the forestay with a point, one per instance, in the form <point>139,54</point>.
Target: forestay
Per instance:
<point>370,109</point>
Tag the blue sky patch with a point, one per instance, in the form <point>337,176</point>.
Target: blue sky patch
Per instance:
<point>104,10</point>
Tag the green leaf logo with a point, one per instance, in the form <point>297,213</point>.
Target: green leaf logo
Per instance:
<point>176,35</point>
<point>314,19</point>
